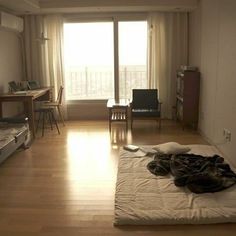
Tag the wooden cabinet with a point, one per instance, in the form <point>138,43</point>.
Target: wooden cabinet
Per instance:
<point>187,97</point>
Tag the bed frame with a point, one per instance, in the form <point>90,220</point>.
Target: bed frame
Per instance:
<point>14,133</point>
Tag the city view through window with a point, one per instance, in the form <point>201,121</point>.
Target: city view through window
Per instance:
<point>89,59</point>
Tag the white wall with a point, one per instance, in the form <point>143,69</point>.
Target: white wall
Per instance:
<point>10,66</point>
<point>95,110</point>
<point>213,49</point>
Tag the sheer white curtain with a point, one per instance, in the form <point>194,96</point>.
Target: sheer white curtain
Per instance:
<point>53,54</point>
<point>33,50</point>
<point>44,62</point>
<point>167,50</point>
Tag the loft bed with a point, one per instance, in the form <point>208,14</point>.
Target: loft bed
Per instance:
<point>142,198</point>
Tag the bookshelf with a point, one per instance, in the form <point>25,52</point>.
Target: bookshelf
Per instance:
<point>187,97</point>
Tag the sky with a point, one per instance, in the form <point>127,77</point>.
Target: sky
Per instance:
<point>91,44</point>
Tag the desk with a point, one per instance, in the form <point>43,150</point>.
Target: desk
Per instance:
<point>28,99</point>
<point>118,111</point>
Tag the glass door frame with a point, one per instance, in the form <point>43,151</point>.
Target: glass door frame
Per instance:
<point>115,18</point>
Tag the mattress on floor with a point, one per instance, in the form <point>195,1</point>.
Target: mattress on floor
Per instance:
<point>145,199</point>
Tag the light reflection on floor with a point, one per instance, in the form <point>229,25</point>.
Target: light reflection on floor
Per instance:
<point>89,156</point>
<point>90,165</point>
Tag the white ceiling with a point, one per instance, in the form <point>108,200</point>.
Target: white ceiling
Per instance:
<point>73,6</point>
<point>20,6</point>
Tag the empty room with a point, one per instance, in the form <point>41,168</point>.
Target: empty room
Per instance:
<point>117,117</point>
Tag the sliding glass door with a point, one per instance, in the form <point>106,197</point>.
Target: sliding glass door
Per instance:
<point>132,57</point>
<point>89,59</point>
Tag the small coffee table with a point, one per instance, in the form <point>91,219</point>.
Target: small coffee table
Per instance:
<point>118,111</point>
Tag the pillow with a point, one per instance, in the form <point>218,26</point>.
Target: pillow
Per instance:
<point>171,148</point>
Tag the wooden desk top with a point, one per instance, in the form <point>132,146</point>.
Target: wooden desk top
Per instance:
<point>33,94</point>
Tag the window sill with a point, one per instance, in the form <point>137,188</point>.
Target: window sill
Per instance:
<point>88,101</point>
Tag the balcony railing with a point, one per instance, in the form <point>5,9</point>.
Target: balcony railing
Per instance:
<point>98,82</point>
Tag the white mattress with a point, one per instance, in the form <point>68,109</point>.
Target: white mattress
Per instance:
<point>145,199</point>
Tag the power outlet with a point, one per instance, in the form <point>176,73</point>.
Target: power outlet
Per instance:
<point>227,135</point>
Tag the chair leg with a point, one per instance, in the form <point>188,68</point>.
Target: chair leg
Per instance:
<point>126,119</point>
<point>109,126</point>
<point>43,124</point>
<point>159,123</point>
<point>60,114</point>
<point>38,122</point>
<point>50,120</point>
<point>53,118</point>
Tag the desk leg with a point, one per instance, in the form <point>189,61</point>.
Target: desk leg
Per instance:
<point>29,110</point>
<point>0,109</point>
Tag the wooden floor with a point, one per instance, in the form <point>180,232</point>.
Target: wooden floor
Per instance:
<point>64,184</point>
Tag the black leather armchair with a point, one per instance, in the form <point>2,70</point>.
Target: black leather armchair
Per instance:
<point>145,105</point>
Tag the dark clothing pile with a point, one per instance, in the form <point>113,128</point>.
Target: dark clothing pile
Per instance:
<point>198,173</point>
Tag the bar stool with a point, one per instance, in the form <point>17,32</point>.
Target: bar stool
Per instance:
<point>46,112</point>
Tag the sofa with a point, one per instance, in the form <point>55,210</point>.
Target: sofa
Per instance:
<point>14,134</point>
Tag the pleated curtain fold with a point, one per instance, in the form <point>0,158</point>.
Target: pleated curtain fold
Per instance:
<point>44,61</point>
<point>167,51</point>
